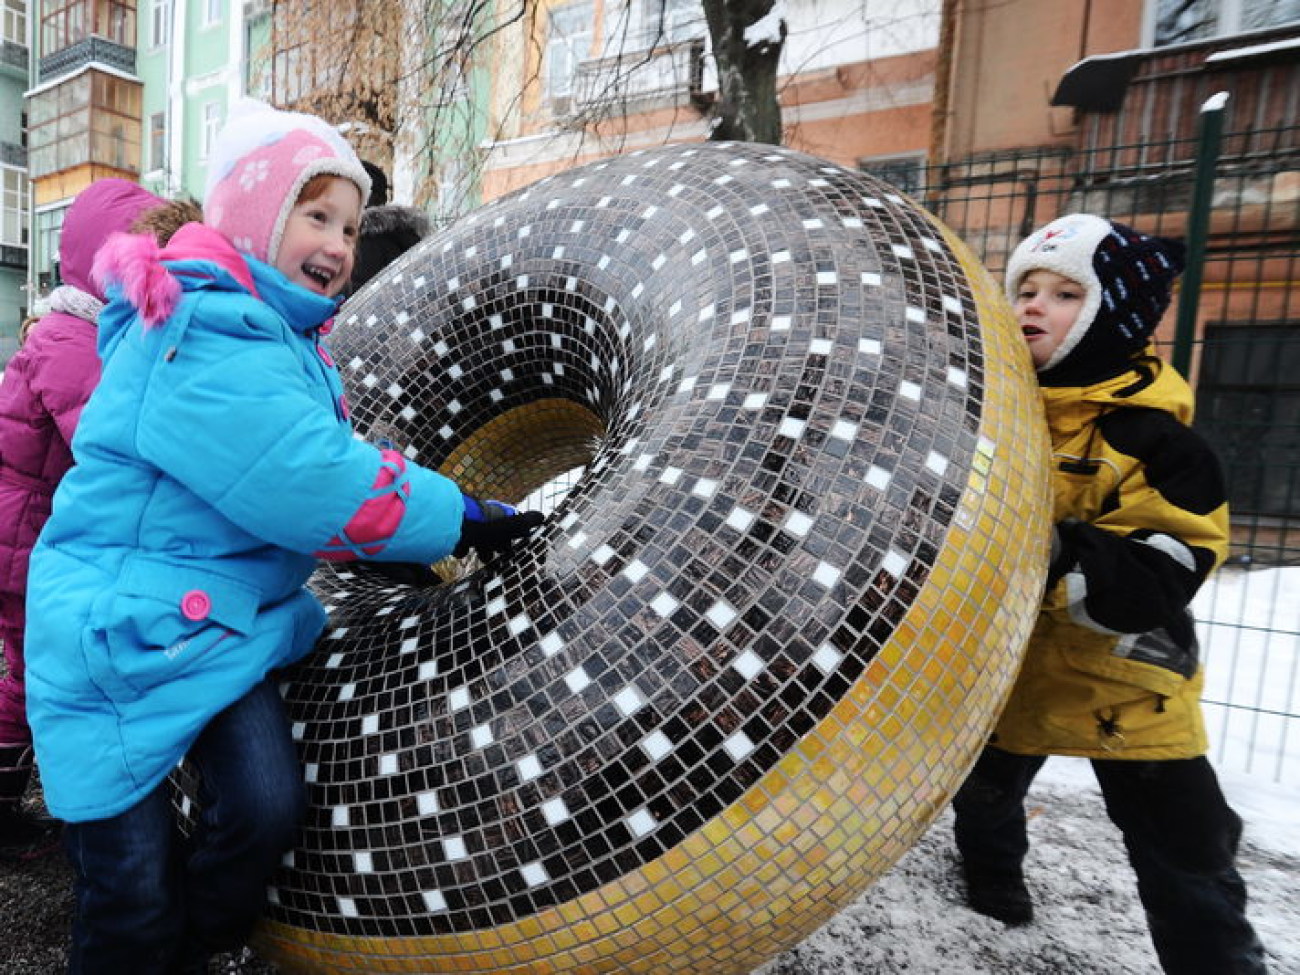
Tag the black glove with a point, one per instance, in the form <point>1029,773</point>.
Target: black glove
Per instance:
<point>408,573</point>
<point>491,527</point>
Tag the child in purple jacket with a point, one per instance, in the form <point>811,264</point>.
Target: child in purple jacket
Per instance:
<point>44,388</point>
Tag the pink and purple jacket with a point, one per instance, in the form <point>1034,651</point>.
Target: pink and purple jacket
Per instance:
<point>45,385</point>
<point>215,464</point>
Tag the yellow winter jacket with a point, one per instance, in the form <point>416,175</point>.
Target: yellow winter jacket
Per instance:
<point>1112,669</point>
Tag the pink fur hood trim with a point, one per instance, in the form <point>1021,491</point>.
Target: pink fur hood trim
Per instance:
<point>135,263</point>
<point>131,261</point>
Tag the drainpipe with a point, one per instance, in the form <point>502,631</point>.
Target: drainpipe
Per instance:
<point>174,113</point>
<point>1209,135</point>
<point>940,105</point>
<point>29,283</point>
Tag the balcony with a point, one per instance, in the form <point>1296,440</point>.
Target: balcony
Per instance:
<point>1149,102</point>
<point>91,50</point>
<point>668,76</point>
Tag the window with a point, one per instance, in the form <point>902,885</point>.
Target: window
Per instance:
<point>638,25</point>
<point>906,173</point>
<point>567,46</point>
<point>92,117</point>
<point>257,62</point>
<point>1248,408</point>
<point>1179,21</point>
<point>306,56</point>
<point>160,22</point>
<point>671,21</point>
<point>66,22</point>
<point>213,10</point>
<point>115,21</point>
<point>211,126</point>
<point>15,22</point>
<point>45,259</point>
<point>13,207</point>
<point>455,188</point>
<point>303,69</point>
<point>158,140</point>
<point>62,25</point>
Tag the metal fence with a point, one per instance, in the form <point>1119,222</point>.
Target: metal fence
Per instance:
<point>1241,350</point>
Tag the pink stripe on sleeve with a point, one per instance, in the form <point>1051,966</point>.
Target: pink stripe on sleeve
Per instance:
<point>374,523</point>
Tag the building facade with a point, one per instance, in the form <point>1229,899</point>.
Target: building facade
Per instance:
<point>578,80</point>
<point>83,113</point>
<point>98,88</point>
<point>190,60</point>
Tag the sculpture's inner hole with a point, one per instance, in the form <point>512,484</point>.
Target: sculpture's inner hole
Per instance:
<point>530,449</point>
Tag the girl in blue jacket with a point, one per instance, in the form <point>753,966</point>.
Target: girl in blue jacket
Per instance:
<point>214,464</point>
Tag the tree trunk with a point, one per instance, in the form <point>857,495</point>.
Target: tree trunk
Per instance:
<point>747,108</point>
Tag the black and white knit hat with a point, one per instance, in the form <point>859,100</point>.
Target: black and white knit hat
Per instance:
<point>1127,279</point>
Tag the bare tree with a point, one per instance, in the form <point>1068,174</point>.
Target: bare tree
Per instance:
<point>410,79</point>
<point>339,59</point>
<point>747,39</point>
<point>402,78</point>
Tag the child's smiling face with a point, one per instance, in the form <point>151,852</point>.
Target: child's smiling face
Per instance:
<point>318,248</point>
<point>1047,305</point>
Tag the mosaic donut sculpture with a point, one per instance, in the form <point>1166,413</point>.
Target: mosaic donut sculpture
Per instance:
<point>756,646</point>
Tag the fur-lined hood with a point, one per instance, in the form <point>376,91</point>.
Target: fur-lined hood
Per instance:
<point>147,281</point>
<point>106,207</point>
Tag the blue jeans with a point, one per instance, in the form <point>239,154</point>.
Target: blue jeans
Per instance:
<point>148,899</point>
<point>1180,834</point>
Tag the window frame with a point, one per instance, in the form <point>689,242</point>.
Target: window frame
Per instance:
<point>15,22</point>
<point>47,225</point>
<point>13,207</point>
<point>570,43</point>
<point>160,24</point>
<point>157,136</point>
<point>1229,20</point>
<point>92,116</point>
<point>68,22</point>
<point>211,116</point>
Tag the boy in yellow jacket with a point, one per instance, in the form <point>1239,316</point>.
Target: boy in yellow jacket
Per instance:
<point>1112,670</point>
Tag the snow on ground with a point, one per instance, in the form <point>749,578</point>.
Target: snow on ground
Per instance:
<point>1250,626</point>
<point>1088,920</point>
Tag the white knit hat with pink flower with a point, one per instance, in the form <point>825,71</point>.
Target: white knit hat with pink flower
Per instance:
<point>261,160</point>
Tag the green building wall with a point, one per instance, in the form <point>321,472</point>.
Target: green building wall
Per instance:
<point>14,301</point>
<point>191,82</point>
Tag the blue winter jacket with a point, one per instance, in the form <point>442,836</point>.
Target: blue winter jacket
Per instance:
<point>212,462</point>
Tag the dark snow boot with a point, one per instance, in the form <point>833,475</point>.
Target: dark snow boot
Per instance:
<point>999,894</point>
<point>22,835</point>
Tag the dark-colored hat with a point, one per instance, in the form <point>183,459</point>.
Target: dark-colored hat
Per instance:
<point>1127,277</point>
<point>378,184</point>
<point>385,234</point>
